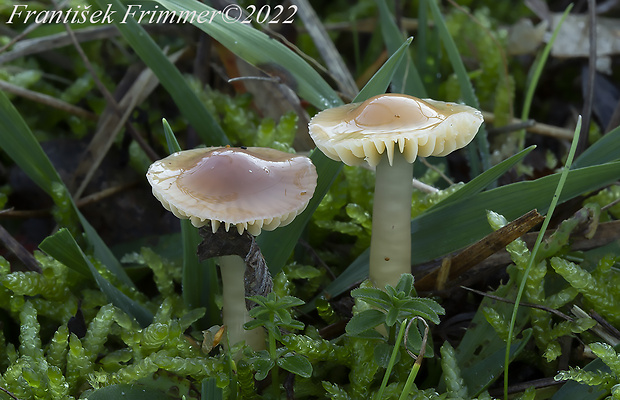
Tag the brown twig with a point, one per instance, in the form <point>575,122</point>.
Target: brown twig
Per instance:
<point>123,112</point>
<point>610,205</point>
<point>25,32</point>
<point>606,233</point>
<point>482,249</point>
<point>530,305</point>
<point>521,387</point>
<point>19,251</point>
<point>9,393</point>
<point>84,201</point>
<point>537,128</point>
<point>326,48</point>
<point>50,42</point>
<point>46,100</point>
<point>513,127</point>
<point>606,325</point>
<point>434,168</point>
<point>76,44</point>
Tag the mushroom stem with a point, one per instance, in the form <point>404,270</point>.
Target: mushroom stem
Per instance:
<point>233,303</point>
<point>390,243</point>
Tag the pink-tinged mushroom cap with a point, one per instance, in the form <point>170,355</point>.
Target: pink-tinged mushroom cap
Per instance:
<point>250,188</point>
<point>359,132</point>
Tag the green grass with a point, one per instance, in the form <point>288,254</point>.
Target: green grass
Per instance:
<point>148,341</point>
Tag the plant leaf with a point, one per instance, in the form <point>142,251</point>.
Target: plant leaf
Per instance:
<point>261,51</point>
<point>386,74</point>
<point>480,375</point>
<point>406,77</point>
<point>210,390</point>
<point>478,149</point>
<point>62,247</point>
<point>19,143</point>
<point>133,391</point>
<point>364,321</point>
<point>371,294</point>
<point>604,150</point>
<point>297,364</point>
<point>485,179</point>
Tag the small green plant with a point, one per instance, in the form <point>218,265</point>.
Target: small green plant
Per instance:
<point>546,331</point>
<point>273,314</point>
<point>389,308</point>
<point>606,380</point>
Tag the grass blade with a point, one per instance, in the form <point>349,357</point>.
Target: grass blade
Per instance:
<point>406,78</point>
<point>388,370</point>
<point>386,74</point>
<point>261,51</point>
<point>478,149</point>
<point>19,143</point>
<point>486,370</point>
<point>102,252</point>
<point>466,219</point>
<point>604,150</point>
<point>485,179</point>
<point>171,79</point>
<point>480,354</point>
<point>62,247</point>
<point>537,69</point>
<point>210,390</point>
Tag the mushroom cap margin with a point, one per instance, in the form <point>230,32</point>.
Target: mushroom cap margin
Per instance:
<point>362,132</point>
<point>248,188</point>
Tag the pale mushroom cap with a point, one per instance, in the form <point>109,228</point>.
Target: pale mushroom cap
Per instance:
<point>250,188</point>
<point>359,132</point>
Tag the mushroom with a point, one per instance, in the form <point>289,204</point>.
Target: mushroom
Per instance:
<point>248,189</point>
<point>389,131</point>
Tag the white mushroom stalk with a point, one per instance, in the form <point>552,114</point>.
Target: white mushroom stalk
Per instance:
<point>390,243</point>
<point>243,189</point>
<point>389,131</point>
<point>235,313</point>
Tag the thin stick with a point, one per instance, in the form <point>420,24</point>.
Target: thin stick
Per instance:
<point>46,100</point>
<point>531,305</point>
<point>589,92</point>
<point>537,128</point>
<point>610,205</point>
<point>434,168</point>
<point>9,393</point>
<point>84,201</point>
<point>19,251</point>
<point>26,31</point>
